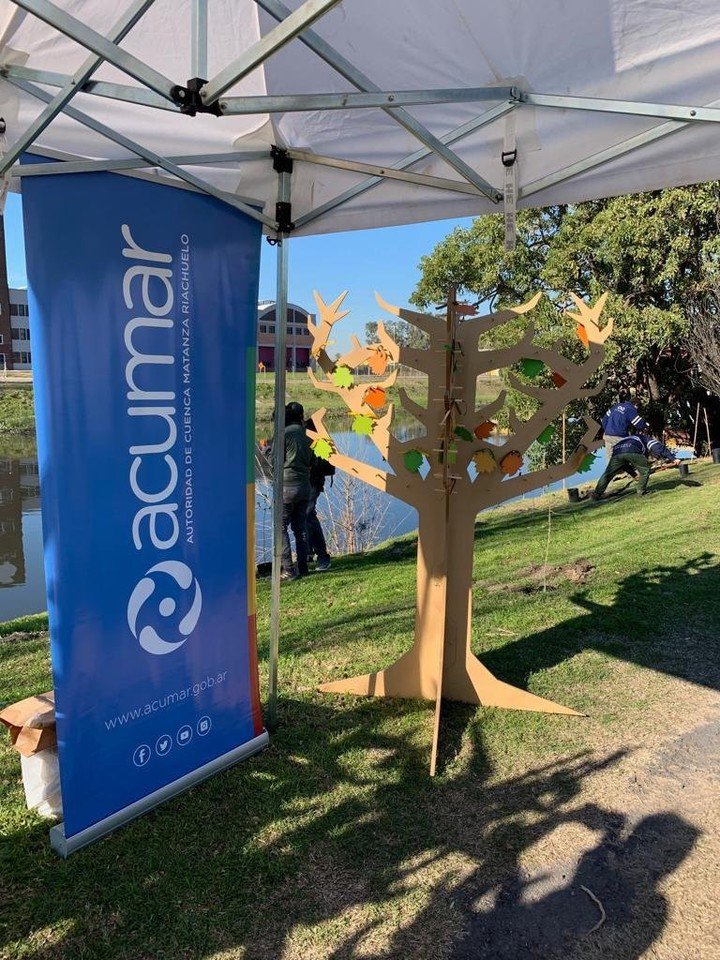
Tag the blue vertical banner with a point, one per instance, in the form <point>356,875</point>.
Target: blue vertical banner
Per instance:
<point>143,306</point>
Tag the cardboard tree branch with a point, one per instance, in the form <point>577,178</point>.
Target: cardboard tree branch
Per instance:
<point>467,472</point>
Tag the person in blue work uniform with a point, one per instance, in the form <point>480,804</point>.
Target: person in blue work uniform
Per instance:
<point>632,454</point>
<point>621,420</point>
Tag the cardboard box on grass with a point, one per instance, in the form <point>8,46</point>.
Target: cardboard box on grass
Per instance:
<point>31,723</point>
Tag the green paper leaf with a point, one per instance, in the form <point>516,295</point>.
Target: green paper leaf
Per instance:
<point>322,448</point>
<point>531,368</point>
<point>342,377</point>
<point>452,453</point>
<point>413,460</point>
<point>547,435</point>
<point>363,425</point>
<point>587,461</point>
<point>463,433</point>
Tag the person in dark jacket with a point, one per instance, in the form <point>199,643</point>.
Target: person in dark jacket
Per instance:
<point>317,547</point>
<point>296,492</point>
<point>632,453</point>
<point>619,421</point>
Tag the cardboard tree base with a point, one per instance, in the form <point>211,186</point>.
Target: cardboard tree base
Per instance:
<point>474,683</point>
<point>443,616</point>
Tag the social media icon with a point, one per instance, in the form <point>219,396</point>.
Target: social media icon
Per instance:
<point>203,726</point>
<point>163,745</point>
<point>141,755</point>
<point>184,736</point>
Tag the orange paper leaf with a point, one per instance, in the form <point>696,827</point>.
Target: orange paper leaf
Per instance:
<point>375,397</point>
<point>558,379</point>
<point>511,463</point>
<point>483,430</point>
<point>377,361</point>
<point>582,334</point>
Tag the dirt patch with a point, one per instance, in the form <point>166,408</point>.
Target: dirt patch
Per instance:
<point>540,577</point>
<point>22,635</point>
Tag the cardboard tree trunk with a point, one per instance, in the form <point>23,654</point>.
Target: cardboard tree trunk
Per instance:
<point>449,494</point>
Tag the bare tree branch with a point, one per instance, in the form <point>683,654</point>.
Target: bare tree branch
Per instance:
<point>703,341</point>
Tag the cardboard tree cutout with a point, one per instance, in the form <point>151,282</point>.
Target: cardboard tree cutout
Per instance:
<point>451,493</point>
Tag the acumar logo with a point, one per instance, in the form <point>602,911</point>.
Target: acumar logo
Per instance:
<point>149,294</point>
<point>148,637</point>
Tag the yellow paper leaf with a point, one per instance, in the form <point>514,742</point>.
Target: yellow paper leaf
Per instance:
<point>484,461</point>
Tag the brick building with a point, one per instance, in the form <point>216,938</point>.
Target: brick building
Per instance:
<point>299,341</point>
<point>20,330</point>
<point>16,354</point>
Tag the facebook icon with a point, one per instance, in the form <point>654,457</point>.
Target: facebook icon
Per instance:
<point>141,755</point>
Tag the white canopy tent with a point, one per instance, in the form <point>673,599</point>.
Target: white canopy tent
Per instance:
<point>609,97</point>
<point>325,116</point>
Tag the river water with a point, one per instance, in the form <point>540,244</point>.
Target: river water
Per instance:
<point>353,516</point>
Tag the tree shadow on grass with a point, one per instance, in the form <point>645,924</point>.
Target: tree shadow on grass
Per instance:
<point>335,841</point>
<point>664,618</point>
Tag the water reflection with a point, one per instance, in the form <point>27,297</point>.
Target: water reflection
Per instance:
<point>12,555</point>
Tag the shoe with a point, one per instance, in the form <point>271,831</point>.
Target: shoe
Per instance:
<point>289,575</point>
<point>322,565</point>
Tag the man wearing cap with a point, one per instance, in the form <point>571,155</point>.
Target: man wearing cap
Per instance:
<point>631,454</point>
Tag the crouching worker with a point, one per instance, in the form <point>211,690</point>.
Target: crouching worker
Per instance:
<point>632,453</point>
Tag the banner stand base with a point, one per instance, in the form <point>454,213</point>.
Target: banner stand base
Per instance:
<point>66,845</point>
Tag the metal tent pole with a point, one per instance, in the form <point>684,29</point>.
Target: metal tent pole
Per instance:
<point>198,39</point>
<point>278,451</point>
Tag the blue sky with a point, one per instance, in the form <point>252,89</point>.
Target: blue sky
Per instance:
<point>360,261</point>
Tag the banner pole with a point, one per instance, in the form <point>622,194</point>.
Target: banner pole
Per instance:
<point>278,451</point>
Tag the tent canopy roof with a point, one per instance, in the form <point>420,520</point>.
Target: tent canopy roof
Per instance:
<point>606,97</point>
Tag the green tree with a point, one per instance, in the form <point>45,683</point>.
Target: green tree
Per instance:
<point>403,333</point>
<point>653,252</point>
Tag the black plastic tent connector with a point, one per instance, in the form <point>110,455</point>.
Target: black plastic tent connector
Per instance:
<point>190,101</point>
<point>282,163</point>
<point>283,215</point>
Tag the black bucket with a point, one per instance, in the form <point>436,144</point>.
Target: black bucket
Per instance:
<point>716,455</point>
<point>573,495</point>
<point>684,469</point>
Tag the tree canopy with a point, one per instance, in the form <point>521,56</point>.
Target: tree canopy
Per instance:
<point>654,252</point>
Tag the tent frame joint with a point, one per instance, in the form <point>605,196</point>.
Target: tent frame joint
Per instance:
<point>283,215</point>
<point>190,100</point>
<point>283,165</point>
<point>282,161</point>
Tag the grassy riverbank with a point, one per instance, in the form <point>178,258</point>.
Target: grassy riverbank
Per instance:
<point>335,843</point>
<point>17,416</point>
<point>300,388</point>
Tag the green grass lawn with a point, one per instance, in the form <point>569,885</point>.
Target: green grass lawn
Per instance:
<point>335,836</point>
